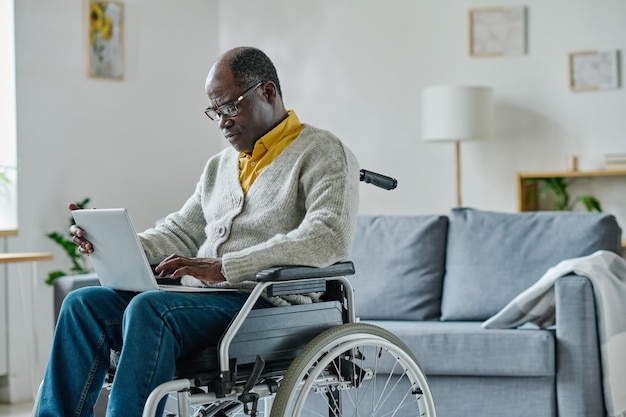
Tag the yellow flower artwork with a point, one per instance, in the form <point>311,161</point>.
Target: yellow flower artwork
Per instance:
<point>105,39</point>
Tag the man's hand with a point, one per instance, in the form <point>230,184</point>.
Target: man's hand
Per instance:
<point>205,269</point>
<point>84,246</point>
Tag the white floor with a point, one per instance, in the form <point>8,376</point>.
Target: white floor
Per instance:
<point>17,410</point>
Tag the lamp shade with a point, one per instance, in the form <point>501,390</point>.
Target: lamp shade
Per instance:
<point>457,113</point>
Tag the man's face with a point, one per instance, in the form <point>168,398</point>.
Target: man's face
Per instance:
<point>255,114</point>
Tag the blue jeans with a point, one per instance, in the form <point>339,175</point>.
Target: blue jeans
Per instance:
<point>151,329</point>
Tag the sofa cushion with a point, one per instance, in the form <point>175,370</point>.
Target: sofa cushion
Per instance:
<point>466,349</point>
<point>492,257</point>
<point>68,283</point>
<point>399,263</point>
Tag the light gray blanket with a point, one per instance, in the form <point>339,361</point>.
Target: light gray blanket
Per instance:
<point>607,272</point>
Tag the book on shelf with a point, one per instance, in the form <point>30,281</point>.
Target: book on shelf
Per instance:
<point>615,167</point>
<point>615,161</point>
<point>615,157</point>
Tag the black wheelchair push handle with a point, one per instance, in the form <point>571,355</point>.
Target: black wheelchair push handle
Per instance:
<point>378,180</point>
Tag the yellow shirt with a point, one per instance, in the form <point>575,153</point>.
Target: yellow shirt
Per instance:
<point>267,149</point>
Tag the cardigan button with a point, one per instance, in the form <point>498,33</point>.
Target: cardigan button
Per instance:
<point>221,231</point>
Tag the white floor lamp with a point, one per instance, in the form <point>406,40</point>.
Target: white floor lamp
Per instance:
<point>455,114</point>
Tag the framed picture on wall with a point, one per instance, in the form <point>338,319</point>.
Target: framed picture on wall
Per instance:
<point>497,31</point>
<point>594,70</point>
<point>105,40</point>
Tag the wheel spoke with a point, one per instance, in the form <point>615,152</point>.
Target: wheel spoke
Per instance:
<point>355,370</point>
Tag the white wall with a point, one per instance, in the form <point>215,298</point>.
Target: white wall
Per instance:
<point>8,155</point>
<point>356,67</point>
<point>139,143</point>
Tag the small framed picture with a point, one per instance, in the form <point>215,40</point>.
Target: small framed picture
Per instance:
<point>497,31</point>
<point>594,70</point>
<point>105,40</point>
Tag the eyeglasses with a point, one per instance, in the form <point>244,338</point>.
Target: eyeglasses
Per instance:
<point>230,109</point>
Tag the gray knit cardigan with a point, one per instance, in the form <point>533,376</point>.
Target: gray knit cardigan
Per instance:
<point>301,210</point>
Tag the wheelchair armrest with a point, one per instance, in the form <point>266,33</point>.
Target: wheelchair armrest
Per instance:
<point>290,280</point>
<point>290,273</point>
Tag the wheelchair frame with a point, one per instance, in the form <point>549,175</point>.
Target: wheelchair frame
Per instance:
<point>327,350</point>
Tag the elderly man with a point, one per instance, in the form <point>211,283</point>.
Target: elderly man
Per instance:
<point>284,193</point>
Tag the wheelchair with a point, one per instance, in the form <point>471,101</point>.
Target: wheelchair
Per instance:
<point>300,360</point>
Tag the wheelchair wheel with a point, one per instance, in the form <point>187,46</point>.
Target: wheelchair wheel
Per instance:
<point>354,369</point>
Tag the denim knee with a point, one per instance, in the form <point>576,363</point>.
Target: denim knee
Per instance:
<point>81,298</point>
<point>148,302</point>
<point>145,308</point>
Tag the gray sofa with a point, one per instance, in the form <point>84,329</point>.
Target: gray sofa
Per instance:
<point>432,280</point>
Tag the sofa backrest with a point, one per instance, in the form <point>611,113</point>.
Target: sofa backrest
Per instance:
<point>399,262</point>
<point>491,257</point>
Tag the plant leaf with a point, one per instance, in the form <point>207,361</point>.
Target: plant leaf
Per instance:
<point>54,275</point>
<point>591,203</point>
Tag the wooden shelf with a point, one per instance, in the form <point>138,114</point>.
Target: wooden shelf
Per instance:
<point>7,233</point>
<point>572,174</point>
<point>524,188</point>
<point>6,258</point>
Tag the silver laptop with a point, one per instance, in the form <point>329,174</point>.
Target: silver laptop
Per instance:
<point>118,258</point>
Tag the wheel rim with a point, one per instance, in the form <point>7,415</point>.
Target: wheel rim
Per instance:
<point>380,402</point>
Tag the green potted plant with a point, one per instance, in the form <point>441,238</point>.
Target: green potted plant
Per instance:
<point>80,264</point>
<point>562,201</point>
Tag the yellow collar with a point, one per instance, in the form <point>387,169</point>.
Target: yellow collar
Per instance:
<point>267,149</point>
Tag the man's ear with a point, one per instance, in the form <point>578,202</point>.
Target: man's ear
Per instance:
<point>269,91</point>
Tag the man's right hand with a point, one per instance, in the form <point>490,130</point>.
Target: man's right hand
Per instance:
<point>84,246</point>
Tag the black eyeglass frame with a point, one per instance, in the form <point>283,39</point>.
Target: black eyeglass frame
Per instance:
<point>230,109</point>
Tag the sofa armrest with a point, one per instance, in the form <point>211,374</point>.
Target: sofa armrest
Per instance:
<point>64,285</point>
<point>578,373</point>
